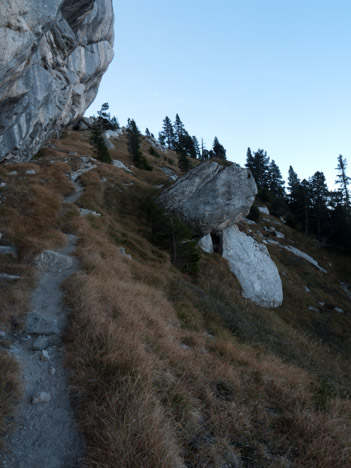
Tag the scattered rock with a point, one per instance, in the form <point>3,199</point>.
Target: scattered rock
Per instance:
<point>172,175</point>
<point>206,244</point>
<point>339,309</point>
<point>12,173</point>
<point>263,209</point>
<point>211,196</point>
<point>271,241</point>
<point>184,346</point>
<point>254,268</point>
<point>307,289</point>
<point>86,212</point>
<point>8,250</point>
<point>321,303</point>
<point>40,343</point>
<point>120,165</point>
<point>39,325</point>
<point>52,370</point>
<point>41,397</point>
<point>44,355</point>
<point>49,260</point>
<point>123,252</point>
<point>303,255</point>
<point>3,184</point>
<point>313,309</point>
<point>86,168</point>
<point>7,277</point>
<point>2,334</point>
<point>30,172</point>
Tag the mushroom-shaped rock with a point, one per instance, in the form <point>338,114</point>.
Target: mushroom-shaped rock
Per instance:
<point>53,55</point>
<point>255,270</point>
<point>211,196</point>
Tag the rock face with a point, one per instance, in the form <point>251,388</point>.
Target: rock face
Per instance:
<point>53,54</point>
<point>211,196</point>
<point>254,268</point>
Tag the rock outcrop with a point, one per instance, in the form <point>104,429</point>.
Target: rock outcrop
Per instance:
<point>211,196</point>
<point>254,268</point>
<point>53,54</point>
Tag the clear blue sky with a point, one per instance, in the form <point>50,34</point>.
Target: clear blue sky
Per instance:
<point>272,74</point>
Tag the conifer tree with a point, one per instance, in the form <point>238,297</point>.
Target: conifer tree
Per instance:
<point>343,180</point>
<point>196,147</point>
<point>319,198</point>
<point>293,185</point>
<point>168,133</point>
<point>218,149</point>
<point>98,141</point>
<point>275,180</point>
<point>134,142</point>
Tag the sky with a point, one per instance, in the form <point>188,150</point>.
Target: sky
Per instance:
<point>271,74</point>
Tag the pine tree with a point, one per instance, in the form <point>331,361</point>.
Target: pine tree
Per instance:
<point>147,133</point>
<point>105,120</point>
<point>319,199</point>
<point>218,149</point>
<point>134,142</point>
<point>168,133</point>
<point>99,143</point>
<point>196,147</point>
<point>259,166</point>
<point>293,185</point>
<point>178,128</point>
<point>343,180</point>
<point>275,180</point>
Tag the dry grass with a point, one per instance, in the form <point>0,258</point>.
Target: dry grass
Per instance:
<point>172,371</point>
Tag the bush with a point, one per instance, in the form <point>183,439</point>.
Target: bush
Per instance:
<point>254,214</point>
<point>153,152</point>
<point>171,234</point>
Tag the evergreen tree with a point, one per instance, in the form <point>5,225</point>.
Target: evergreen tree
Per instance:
<point>319,199</point>
<point>99,143</point>
<point>168,133</point>
<point>275,180</point>
<point>162,138</point>
<point>218,149</point>
<point>105,120</point>
<point>134,142</point>
<point>293,185</point>
<point>196,147</point>
<point>259,166</point>
<point>178,128</point>
<point>147,133</point>
<point>343,180</point>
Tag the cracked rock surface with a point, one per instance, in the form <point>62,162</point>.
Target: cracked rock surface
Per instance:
<point>53,54</point>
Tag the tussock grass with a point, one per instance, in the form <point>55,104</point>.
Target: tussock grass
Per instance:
<point>170,370</point>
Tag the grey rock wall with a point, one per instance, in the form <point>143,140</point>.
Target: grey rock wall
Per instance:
<point>53,54</point>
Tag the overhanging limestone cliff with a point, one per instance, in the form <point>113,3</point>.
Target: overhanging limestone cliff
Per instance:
<point>53,54</point>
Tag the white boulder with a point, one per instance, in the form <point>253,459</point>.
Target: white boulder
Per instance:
<point>206,244</point>
<point>303,255</point>
<point>255,270</point>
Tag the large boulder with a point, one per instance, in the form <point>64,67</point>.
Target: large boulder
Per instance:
<point>252,265</point>
<point>53,54</point>
<point>211,196</point>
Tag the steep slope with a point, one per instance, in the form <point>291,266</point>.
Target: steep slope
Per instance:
<point>170,368</point>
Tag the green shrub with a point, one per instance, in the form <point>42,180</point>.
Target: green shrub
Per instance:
<point>171,234</point>
<point>153,152</point>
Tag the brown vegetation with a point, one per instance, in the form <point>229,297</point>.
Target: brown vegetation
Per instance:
<point>171,370</point>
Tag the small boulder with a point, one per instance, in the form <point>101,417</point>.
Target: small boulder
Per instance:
<point>120,165</point>
<point>206,244</point>
<point>44,355</point>
<point>49,260</point>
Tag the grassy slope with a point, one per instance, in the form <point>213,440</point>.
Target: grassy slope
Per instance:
<point>172,370</point>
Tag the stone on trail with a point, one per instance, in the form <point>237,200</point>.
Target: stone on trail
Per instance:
<point>41,397</point>
<point>44,355</point>
<point>49,260</point>
<point>255,270</point>
<point>40,343</point>
<point>39,325</point>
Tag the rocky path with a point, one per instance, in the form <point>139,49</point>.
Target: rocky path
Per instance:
<point>45,434</point>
